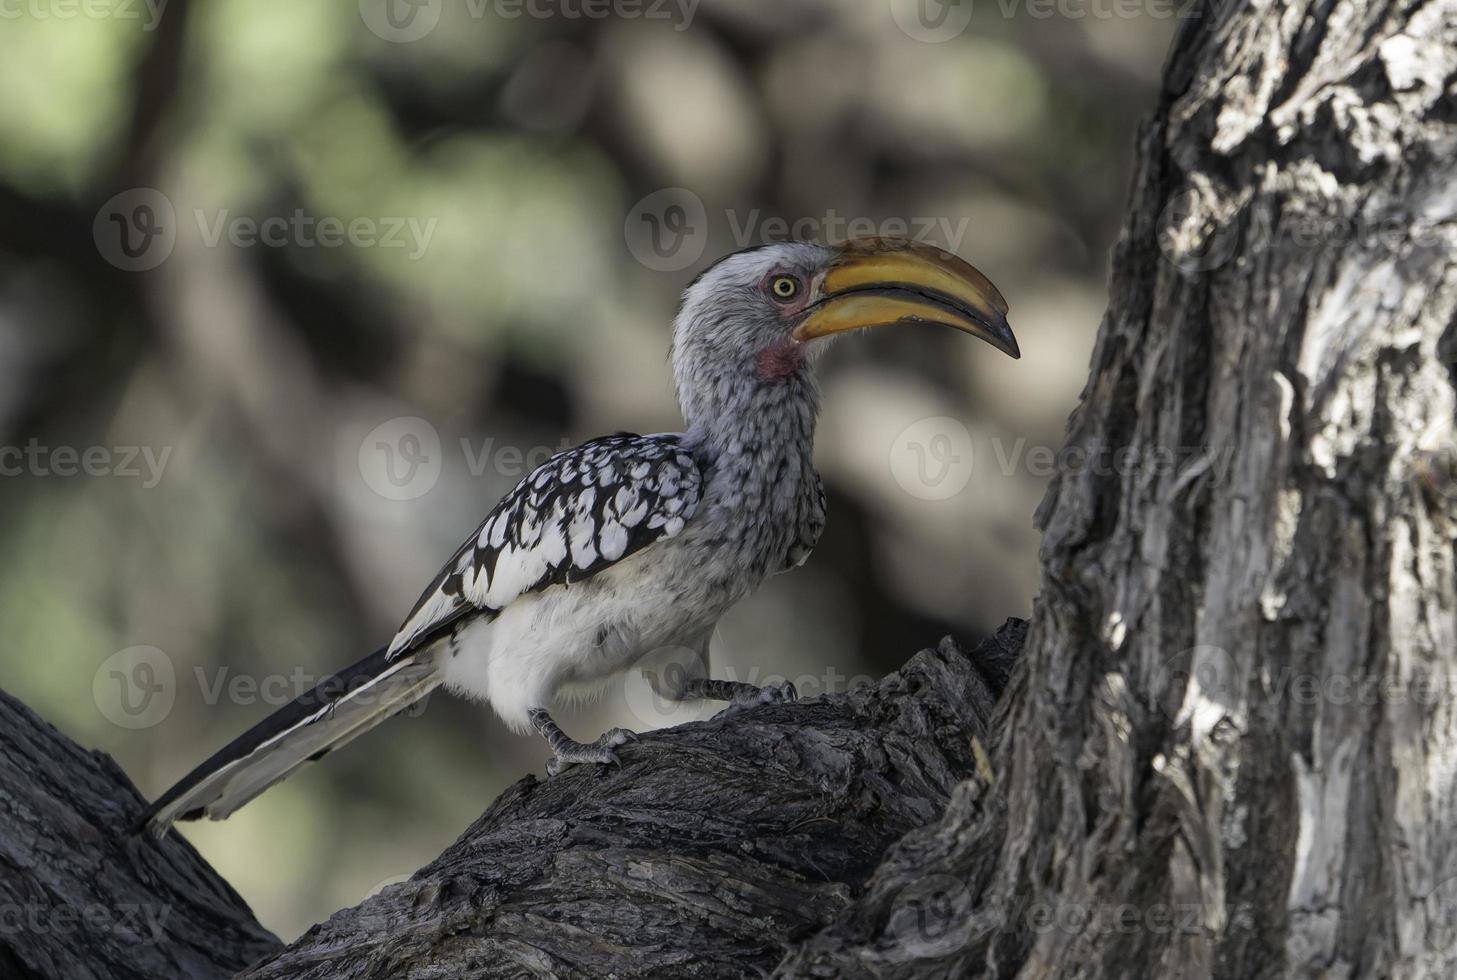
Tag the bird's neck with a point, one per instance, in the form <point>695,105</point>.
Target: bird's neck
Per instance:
<point>751,423</point>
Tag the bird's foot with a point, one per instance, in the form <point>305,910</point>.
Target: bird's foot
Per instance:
<point>568,753</point>
<point>749,696</point>
<point>768,694</point>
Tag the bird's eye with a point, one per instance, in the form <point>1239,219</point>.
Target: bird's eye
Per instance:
<point>784,288</point>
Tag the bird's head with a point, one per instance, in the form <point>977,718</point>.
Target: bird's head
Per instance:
<point>760,317</point>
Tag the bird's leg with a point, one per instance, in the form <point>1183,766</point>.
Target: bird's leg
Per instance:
<point>680,673</point>
<point>567,753</point>
<point>737,693</point>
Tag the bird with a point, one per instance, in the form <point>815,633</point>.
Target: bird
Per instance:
<point>624,552</point>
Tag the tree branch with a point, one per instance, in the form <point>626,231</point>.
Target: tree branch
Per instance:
<point>715,846</point>
<point>80,896</point>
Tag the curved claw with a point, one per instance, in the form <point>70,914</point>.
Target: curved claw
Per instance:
<point>780,693</point>
<point>772,694</point>
<point>769,694</point>
<point>600,752</point>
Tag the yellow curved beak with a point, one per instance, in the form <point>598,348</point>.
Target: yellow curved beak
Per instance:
<point>877,282</point>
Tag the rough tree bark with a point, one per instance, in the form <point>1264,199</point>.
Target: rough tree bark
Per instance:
<point>80,896</point>
<point>1227,749</point>
<point>712,849</point>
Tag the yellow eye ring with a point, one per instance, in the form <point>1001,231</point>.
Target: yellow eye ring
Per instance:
<point>784,288</point>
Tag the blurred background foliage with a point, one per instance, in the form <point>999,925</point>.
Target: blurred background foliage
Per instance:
<point>524,142</point>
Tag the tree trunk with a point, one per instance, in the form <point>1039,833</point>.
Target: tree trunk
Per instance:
<point>1230,753</point>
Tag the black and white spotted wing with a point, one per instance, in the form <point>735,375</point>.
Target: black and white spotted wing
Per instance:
<point>579,512</point>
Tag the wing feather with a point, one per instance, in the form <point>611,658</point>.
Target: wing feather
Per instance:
<point>578,513</point>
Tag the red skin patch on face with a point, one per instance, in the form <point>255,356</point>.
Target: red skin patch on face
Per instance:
<point>780,359</point>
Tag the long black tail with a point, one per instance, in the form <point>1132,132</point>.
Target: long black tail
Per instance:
<point>339,708</point>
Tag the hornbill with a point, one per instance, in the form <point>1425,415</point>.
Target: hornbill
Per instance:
<point>625,551</point>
